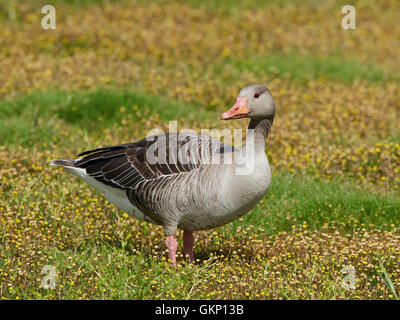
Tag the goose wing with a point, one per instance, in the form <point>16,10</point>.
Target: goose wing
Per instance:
<point>125,166</point>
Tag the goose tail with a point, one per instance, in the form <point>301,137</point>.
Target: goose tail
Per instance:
<point>63,163</point>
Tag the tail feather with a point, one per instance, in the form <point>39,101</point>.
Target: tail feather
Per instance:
<point>63,163</point>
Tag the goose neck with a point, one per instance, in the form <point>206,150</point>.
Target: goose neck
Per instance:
<point>259,131</point>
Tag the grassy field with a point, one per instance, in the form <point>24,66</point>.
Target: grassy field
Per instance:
<point>113,70</point>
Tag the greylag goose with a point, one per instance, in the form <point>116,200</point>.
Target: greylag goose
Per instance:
<point>186,181</point>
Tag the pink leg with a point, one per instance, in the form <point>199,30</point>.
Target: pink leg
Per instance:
<point>172,246</point>
<point>188,241</point>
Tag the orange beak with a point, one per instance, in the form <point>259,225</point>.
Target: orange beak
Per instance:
<point>239,110</point>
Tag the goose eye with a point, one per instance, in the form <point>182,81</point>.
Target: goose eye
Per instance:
<point>256,95</point>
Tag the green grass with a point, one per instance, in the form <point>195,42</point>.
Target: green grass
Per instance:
<point>248,4</point>
<point>124,268</point>
<point>195,3</point>
<point>302,68</point>
<point>293,244</point>
<point>33,118</point>
<point>125,264</point>
<point>101,105</point>
<point>293,200</point>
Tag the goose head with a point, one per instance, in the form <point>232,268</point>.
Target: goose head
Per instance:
<point>254,101</point>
